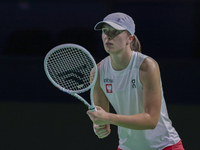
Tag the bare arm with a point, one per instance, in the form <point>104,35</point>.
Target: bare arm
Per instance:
<point>99,97</point>
<point>101,100</point>
<point>150,78</point>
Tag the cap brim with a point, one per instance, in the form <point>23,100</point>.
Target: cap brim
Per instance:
<point>99,25</point>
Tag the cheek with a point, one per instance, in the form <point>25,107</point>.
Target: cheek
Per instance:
<point>121,42</point>
<point>103,37</point>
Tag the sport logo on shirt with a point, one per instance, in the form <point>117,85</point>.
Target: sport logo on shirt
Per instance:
<point>133,83</point>
<point>109,88</point>
<point>107,80</point>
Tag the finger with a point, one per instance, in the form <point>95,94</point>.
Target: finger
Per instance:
<point>103,135</point>
<point>95,126</point>
<point>98,108</point>
<point>99,131</point>
<point>99,127</point>
<point>88,112</point>
<point>103,131</point>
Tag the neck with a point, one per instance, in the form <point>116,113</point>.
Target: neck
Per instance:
<point>121,60</point>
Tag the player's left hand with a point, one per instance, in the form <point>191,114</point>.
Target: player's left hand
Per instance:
<point>102,131</point>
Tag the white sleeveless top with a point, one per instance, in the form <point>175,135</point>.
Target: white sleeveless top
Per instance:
<point>125,93</point>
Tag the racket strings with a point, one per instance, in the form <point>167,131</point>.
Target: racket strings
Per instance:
<point>70,68</point>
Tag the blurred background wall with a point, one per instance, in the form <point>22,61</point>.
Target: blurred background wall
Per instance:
<point>36,116</point>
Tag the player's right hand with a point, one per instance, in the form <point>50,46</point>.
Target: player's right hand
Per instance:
<point>102,131</point>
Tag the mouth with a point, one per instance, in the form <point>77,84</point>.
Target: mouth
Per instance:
<point>108,44</point>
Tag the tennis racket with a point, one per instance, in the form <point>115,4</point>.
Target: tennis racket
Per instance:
<point>70,67</point>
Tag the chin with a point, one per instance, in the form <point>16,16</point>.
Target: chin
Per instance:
<point>108,50</point>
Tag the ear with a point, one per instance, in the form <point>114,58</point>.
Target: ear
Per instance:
<point>130,39</point>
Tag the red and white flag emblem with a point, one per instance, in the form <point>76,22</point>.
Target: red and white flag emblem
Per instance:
<point>109,88</point>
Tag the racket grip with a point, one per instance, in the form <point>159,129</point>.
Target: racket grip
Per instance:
<point>92,109</point>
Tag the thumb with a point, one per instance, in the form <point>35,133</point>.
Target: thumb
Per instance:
<point>89,112</point>
<point>98,108</point>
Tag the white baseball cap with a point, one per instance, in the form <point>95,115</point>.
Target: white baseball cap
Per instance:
<point>119,21</point>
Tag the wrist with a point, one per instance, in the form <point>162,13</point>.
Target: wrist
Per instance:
<point>109,118</point>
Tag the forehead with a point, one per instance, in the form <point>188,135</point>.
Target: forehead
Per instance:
<point>107,26</point>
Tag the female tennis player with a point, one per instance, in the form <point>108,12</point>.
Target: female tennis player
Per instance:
<point>131,82</point>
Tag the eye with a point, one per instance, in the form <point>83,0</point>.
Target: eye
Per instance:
<point>105,31</point>
<point>116,32</point>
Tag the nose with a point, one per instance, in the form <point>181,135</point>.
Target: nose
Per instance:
<point>108,36</point>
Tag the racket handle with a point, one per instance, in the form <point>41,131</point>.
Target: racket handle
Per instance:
<point>92,108</point>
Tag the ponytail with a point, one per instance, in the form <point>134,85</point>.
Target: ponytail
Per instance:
<point>135,45</point>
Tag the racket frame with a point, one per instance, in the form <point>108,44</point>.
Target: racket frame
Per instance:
<point>74,93</point>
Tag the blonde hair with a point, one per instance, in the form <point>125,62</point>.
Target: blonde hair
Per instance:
<point>135,44</point>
